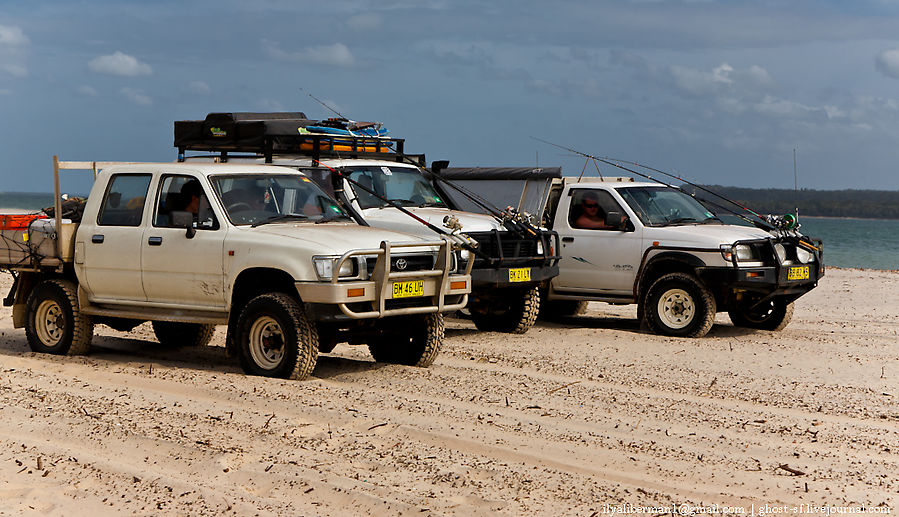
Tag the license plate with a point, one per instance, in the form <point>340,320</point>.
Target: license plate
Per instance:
<point>522,274</point>
<point>408,289</point>
<point>798,273</point>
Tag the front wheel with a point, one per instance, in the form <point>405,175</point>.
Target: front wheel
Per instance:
<point>774,314</point>
<point>677,304</point>
<point>416,344</point>
<point>54,323</point>
<point>512,310</point>
<point>276,339</point>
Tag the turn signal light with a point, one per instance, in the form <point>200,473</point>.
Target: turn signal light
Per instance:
<point>355,292</point>
<point>458,285</point>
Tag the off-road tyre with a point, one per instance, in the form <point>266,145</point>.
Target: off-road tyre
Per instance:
<point>175,335</point>
<point>274,338</point>
<point>417,345</point>
<point>557,309</point>
<point>54,323</point>
<point>773,315</point>
<point>514,313</point>
<point>679,305</point>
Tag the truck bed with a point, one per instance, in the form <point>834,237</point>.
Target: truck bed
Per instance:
<point>34,245</point>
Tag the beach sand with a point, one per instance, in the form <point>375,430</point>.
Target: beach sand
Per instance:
<point>580,418</point>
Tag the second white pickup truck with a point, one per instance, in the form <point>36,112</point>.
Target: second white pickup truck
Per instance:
<point>647,243</point>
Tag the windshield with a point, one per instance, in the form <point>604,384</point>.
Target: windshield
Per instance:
<point>404,186</point>
<point>663,206</point>
<point>256,198</point>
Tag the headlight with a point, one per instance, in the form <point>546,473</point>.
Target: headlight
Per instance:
<point>781,253</point>
<point>804,255</point>
<point>324,266</point>
<point>539,247</point>
<point>743,251</point>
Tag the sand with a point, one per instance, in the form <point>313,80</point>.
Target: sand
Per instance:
<point>588,417</point>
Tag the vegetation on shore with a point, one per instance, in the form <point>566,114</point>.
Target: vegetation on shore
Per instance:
<point>864,204</point>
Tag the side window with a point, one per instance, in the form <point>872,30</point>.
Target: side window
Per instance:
<point>124,201</point>
<point>185,194</point>
<point>589,207</point>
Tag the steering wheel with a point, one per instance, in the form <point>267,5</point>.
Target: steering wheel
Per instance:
<point>238,206</point>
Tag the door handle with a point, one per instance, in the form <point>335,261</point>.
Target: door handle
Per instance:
<point>154,241</point>
<point>567,239</point>
<point>97,238</point>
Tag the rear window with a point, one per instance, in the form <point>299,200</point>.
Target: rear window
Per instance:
<point>125,198</point>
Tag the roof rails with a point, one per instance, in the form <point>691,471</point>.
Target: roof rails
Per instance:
<point>269,134</point>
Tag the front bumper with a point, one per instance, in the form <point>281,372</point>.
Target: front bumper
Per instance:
<point>379,296</point>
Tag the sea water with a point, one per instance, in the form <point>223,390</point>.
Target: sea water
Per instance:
<point>862,243</point>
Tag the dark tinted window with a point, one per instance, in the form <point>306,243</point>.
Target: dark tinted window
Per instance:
<point>125,200</point>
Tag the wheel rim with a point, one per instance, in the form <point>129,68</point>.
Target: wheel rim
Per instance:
<point>50,323</point>
<point>676,308</point>
<point>266,343</point>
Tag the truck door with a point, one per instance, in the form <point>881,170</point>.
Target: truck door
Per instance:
<point>596,258</point>
<point>112,267</point>
<point>178,270</point>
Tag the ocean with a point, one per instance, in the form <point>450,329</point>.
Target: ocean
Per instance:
<point>861,243</point>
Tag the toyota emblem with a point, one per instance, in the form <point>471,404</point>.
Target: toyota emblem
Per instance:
<point>401,264</point>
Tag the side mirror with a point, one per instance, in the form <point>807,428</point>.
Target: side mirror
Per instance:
<point>439,165</point>
<point>182,219</point>
<point>615,220</point>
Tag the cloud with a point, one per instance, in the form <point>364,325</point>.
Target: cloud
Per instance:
<point>119,64</point>
<point>337,54</point>
<point>88,91</point>
<point>12,36</point>
<point>14,70</point>
<point>365,21</point>
<point>887,63</point>
<point>199,87</point>
<point>136,96</point>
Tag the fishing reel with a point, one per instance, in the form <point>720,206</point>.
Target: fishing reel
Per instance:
<point>511,214</point>
<point>786,222</point>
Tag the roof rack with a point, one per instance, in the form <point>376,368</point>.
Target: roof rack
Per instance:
<point>270,134</point>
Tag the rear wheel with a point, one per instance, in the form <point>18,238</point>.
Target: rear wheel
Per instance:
<point>174,335</point>
<point>678,304</point>
<point>514,311</point>
<point>774,314</point>
<point>276,339</point>
<point>417,342</point>
<point>54,323</point>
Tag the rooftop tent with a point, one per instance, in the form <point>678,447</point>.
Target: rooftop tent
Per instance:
<point>526,188</point>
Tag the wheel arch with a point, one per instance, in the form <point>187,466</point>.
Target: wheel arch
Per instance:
<point>252,282</point>
<point>661,264</point>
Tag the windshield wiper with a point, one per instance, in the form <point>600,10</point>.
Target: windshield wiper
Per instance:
<point>678,220</point>
<point>432,203</point>
<point>331,217</point>
<point>712,219</point>
<point>279,217</point>
<point>396,201</point>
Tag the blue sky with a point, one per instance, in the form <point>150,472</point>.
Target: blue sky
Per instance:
<point>719,91</point>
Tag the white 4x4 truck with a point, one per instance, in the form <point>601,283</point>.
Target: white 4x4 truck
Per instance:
<point>261,249</point>
<point>654,245</point>
<point>374,180</point>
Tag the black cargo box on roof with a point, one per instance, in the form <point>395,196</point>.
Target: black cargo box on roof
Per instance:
<point>500,173</point>
<point>267,134</point>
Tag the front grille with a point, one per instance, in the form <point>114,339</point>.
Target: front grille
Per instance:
<point>412,263</point>
<point>504,245</point>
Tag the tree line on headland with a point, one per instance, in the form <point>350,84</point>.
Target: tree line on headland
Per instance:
<point>864,204</point>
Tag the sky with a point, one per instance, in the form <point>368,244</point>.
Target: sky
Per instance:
<point>718,92</point>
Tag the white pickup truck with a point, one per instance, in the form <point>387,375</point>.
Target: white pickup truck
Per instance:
<point>261,249</point>
<point>374,180</point>
<point>647,243</point>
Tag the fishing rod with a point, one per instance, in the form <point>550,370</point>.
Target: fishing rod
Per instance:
<point>763,224</point>
<point>521,224</point>
<point>462,241</point>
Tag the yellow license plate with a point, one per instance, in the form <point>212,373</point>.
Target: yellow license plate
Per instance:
<point>408,289</point>
<point>522,274</point>
<point>798,273</point>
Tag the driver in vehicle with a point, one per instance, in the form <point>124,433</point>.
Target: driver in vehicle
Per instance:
<point>593,216</point>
